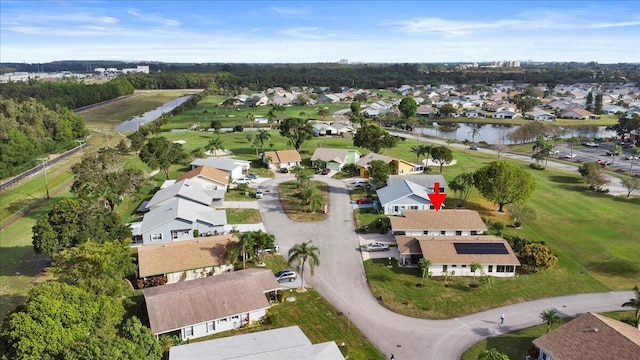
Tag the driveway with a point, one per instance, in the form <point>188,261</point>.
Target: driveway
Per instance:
<point>340,278</point>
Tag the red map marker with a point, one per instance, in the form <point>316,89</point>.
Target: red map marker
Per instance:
<point>437,198</point>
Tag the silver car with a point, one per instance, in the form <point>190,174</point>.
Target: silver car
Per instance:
<point>376,246</point>
<point>286,275</point>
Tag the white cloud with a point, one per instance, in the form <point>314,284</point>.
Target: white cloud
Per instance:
<point>288,10</point>
<point>310,33</point>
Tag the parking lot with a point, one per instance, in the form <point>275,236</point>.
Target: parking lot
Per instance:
<point>586,154</point>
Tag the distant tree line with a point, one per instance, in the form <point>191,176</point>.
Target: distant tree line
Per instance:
<point>69,94</point>
<point>29,129</point>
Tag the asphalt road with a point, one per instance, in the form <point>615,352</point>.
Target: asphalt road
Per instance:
<point>341,279</point>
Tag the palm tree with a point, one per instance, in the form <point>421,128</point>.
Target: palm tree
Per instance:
<point>635,303</point>
<point>260,138</point>
<point>241,248</point>
<point>475,266</point>
<point>301,254</point>
<point>418,150</point>
<point>475,131</point>
<point>302,176</point>
<point>315,202</point>
<point>635,152</point>
<point>550,317</point>
<point>251,118</point>
<point>214,144</point>
<point>493,354</point>
<point>424,264</point>
<point>262,241</point>
<point>542,151</point>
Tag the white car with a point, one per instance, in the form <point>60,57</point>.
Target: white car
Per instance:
<point>259,194</point>
<point>242,180</point>
<point>570,156</point>
<point>376,246</point>
<point>631,157</point>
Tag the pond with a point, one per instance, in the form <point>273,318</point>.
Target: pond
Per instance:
<point>491,133</point>
<point>135,122</point>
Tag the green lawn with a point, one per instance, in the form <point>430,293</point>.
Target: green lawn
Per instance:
<point>243,216</point>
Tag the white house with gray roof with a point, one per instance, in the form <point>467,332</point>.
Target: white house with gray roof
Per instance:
<point>404,195</point>
<point>189,190</point>
<point>282,343</point>
<point>236,168</point>
<point>177,220</point>
<point>540,115</point>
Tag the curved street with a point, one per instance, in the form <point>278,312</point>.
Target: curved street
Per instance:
<point>341,279</point>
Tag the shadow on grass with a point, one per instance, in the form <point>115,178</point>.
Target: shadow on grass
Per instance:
<point>9,303</point>
<point>565,179</point>
<point>617,267</point>
<point>22,261</point>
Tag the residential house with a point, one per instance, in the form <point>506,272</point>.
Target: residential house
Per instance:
<point>404,90</point>
<point>427,181</point>
<point>322,129</point>
<point>475,114</point>
<point>454,254</point>
<point>185,260</point>
<point>177,220</point>
<point>281,343</point>
<point>334,159</point>
<point>187,189</point>
<point>257,100</point>
<point>280,159</point>
<point>328,98</point>
<point>398,166</point>
<point>504,114</point>
<point>236,168</point>
<point>425,111</point>
<point>282,100</point>
<point>208,177</point>
<point>341,128</point>
<point>579,114</point>
<point>590,337</point>
<point>540,115</point>
<point>404,195</point>
<point>210,305</point>
<point>613,109</point>
<point>458,222</point>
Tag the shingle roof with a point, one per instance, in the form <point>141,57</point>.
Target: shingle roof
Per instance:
<point>365,160</point>
<point>428,181</point>
<point>279,156</point>
<point>182,209</point>
<point>185,303</point>
<point>220,163</point>
<point>328,154</point>
<point>207,172</point>
<point>186,189</point>
<point>591,337</point>
<point>441,249</point>
<point>283,343</point>
<point>182,255</point>
<point>438,220</point>
<point>400,190</point>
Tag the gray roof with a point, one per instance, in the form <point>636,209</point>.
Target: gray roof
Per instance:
<point>220,163</point>
<point>365,160</point>
<point>283,343</point>
<point>184,210</point>
<point>427,181</point>
<point>401,189</point>
<point>186,189</point>
<point>174,306</point>
<point>328,154</point>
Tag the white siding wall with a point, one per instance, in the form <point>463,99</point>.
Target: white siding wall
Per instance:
<point>220,325</point>
<point>197,273</point>
<point>436,270</point>
<point>439,232</point>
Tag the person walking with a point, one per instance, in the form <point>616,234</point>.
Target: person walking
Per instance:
<point>501,319</point>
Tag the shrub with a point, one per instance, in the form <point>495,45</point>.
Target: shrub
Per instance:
<point>536,166</point>
<point>536,256</point>
<point>498,226</point>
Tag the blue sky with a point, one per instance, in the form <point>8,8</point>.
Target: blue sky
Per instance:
<point>320,31</point>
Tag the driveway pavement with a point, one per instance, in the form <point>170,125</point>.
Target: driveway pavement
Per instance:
<point>340,278</point>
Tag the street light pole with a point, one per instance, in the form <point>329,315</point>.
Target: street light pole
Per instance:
<point>44,168</point>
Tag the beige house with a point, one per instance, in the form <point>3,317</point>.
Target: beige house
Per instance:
<point>457,222</point>
<point>280,159</point>
<point>590,337</point>
<point>210,178</point>
<point>578,114</point>
<point>455,254</point>
<point>185,260</point>
<point>206,306</point>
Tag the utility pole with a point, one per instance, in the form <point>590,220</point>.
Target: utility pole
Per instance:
<point>106,134</point>
<point>44,168</point>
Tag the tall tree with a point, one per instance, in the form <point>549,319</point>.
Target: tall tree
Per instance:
<point>447,110</point>
<point>379,171</point>
<point>261,137</point>
<point>631,184</point>
<point>597,107</point>
<point>97,268</point>
<point>161,153</point>
<point>355,108</point>
<point>549,317</point>
<point>302,175</point>
<point>418,150</point>
<point>589,101</point>
<point>541,150</point>
<point>635,303</point>
<point>297,130</point>
<point>593,175</point>
<point>504,183</point>
<point>635,155</point>
<point>262,241</point>
<point>301,254</point>
<point>475,131</point>
<point>243,248</point>
<point>373,137</point>
<point>408,107</point>
<point>441,155</point>
<point>462,185</point>
<point>103,176</point>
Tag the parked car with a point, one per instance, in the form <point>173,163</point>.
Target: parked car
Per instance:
<point>360,184</point>
<point>590,144</point>
<point>275,249</point>
<point>608,163</point>
<point>364,201</point>
<point>325,171</point>
<point>286,275</point>
<point>601,162</point>
<point>284,170</point>
<point>242,180</point>
<point>252,175</point>
<point>473,147</point>
<point>631,157</point>
<point>259,194</point>
<point>570,156</point>
<point>376,246</point>
<point>554,152</point>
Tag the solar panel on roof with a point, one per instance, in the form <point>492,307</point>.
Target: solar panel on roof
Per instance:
<point>480,248</point>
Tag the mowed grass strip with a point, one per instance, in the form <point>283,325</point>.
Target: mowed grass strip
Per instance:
<point>291,201</point>
<point>243,216</point>
<point>320,321</point>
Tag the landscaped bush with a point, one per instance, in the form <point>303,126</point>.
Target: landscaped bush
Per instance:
<point>533,255</point>
<point>536,166</point>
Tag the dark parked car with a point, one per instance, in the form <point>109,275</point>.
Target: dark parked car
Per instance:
<point>325,171</point>
<point>284,170</point>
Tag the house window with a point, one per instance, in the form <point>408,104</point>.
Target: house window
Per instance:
<point>211,326</point>
<point>464,266</point>
<point>473,232</point>
<point>156,237</point>
<point>444,267</point>
<point>426,232</point>
<point>235,317</point>
<point>188,331</point>
<point>458,232</point>
<point>414,207</point>
<point>454,266</point>
<point>174,234</point>
<point>431,207</point>
<point>505,268</point>
<point>395,209</point>
<point>490,268</point>
<point>442,232</point>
